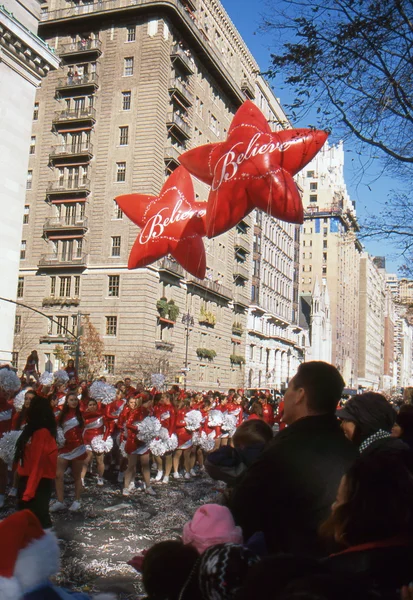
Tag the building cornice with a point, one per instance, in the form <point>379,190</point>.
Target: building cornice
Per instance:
<point>24,51</point>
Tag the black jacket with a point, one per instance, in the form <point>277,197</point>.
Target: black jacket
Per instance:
<point>288,492</point>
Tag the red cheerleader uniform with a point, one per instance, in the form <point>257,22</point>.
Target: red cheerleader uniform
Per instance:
<point>6,416</point>
<point>166,415</point>
<point>123,418</point>
<point>268,414</point>
<point>94,425</point>
<point>236,411</point>
<point>112,414</point>
<point>184,436</point>
<point>15,425</point>
<point>133,445</point>
<point>74,448</point>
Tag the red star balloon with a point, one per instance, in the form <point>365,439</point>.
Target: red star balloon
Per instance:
<point>171,223</point>
<point>253,168</point>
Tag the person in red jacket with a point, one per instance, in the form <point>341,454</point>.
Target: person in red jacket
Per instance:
<point>36,457</point>
<point>135,448</point>
<point>267,410</point>
<point>74,451</point>
<point>184,440</point>
<point>94,426</point>
<point>112,413</point>
<point>165,412</point>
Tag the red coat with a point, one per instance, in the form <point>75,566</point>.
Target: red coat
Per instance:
<point>135,417</point>
<point>112,414</point>
<point>94,425</point>
<point>15,425</point>
<point>180,427</point>
<point>253,416</point>
<point>40,461</point>
<point>268,414</point>
<point>166,415</point>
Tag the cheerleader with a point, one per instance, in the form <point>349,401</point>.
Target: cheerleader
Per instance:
<point>223,437</point>
<point>112,412</point>
<point>234,409</point>
<point>83,395</point>
<point>135,448</point>
<point>130,406</point>
<point>184,440</point>
<point>6,416</point>
<point>71,369</point>
<point>164,411</point>
<point>94,426</point>
<point>20,417</point>
<point>71,421</point>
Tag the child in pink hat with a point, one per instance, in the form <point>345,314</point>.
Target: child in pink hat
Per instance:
<point>211,524</point>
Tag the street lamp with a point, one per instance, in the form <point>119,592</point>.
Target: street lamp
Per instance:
<point>188,321</point>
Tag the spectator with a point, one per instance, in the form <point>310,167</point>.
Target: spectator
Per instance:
<point>372,520</point>
<point>294,483</point>
<point>71,369</point>
<point>403,427</point>
<point>255,411</point>
<point>367,419</point>
<point>211,524</point>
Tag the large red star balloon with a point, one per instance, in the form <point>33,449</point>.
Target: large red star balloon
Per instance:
<point>171,223</point>
<point>253,168</point>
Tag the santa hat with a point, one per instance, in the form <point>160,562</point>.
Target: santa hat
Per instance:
<point>28,555</point>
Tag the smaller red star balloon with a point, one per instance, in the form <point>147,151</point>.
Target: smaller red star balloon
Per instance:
<point>171,223</point>
<point>253,168</point>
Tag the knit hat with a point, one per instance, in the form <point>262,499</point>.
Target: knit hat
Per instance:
<point>28,555</point>
<point>211,524</point>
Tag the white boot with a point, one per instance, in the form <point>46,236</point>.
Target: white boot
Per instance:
<point>159,476</point>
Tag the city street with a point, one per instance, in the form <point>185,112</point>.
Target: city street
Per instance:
<point>97,542</point>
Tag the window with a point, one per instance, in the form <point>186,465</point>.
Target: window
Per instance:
<point>123,135</point>
<point>77,286</point>
<point>62,325</point>
<point>325,231</point>
<point>325,256</point>
<point>32,149</point>
<point>118,210</point>
<point>65,284</point>
<point>36,111</point>
<point>26,214</point>
<point>313,198</point>
<point>121,171</point>
<point>324,270</point>
<point>111,325</point>
<point>131,33</point>
<point>23,250</point>
<point>251,352</point>
<point>313,186</point>
<point>109,364</point>
<point>310,174</point>
<point>20,287</point>
<point>29,180</point>
<point>128,66</point>
<point>14,359</point>
<point>126,100</point>
<point>114,285</point>
<point>17,324</point>
<point>115,245</point>
<point>324,243</point>
<point>52,286</point>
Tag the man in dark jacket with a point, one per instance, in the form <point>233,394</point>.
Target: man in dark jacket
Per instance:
<point>289,491</point>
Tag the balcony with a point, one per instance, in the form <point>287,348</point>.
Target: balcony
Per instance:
<point>171,155</point>
<point>161,345</point>
<point>81,150</point>
<point>171,267</point>
<point>240,243</point>
<point>178,126</point>
<point>179,55</point>
<point>210,286</point>
<point>241,298</point>
<point>83,47</point>
<point>248,89</point>
<point>55,338</point>
<point>176,87</point>
<point>241,272</point>
<point>74,185</point>
<point>88,80</point>
<point>277,319</point>
<point>56,223</point>
<point>77,115</point>
<point>59,261</point>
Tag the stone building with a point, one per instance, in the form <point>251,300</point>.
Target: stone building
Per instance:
<point>24,61</point>
<point>330,251</point>
<point>315,321</point>
<point>139,84</point>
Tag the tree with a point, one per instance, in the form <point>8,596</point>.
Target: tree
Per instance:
<point>352,61</point>
<point>92,360</point>
<point>141,365</point>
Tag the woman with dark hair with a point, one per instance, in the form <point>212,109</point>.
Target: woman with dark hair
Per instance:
<point>71,369</point>
<point>368,419</point>
<point>31,368</point>
<point>36,457</point>
<point>71,421</point>
<point>255,411</point>
<point>403,427</point>
<point>20,417</point>
<point>372,519</point>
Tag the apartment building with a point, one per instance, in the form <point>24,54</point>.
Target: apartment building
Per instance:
<point>139,84</point>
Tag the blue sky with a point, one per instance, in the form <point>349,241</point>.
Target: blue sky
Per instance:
<point>246,16</point>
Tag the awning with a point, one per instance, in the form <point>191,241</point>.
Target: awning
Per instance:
<point>64,237</point>
<point>68,200</point>
<point>75,129</point>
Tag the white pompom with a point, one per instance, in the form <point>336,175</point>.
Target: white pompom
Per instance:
<point>207,442</point>
<point>148,429</point>
<point>46,378</point>
<point>122,448</point>
<point>158,379</point>
<point>8,446</point>
<point>196,437</point>
<point>158,447</point>
<point>9,382</point>
<point>172,443</point>
<point>193,420</point>
<point>60,376</point>
<point>18,401</point>
<point>100,446</point>
<point>215,418</point>
<point>102,392</point>
<point>229,423</point>
<point>60,438</point>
